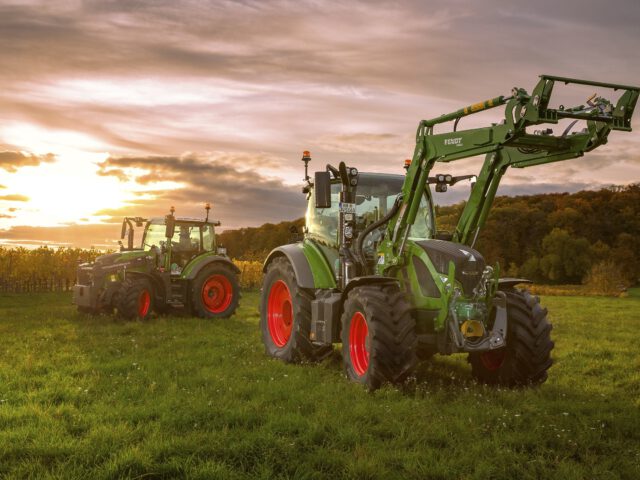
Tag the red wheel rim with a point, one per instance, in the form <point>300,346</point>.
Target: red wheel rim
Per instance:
<point>358,349</point>
<point>144,302</point>
<point>493,359</point>
<point>279,313</point>
<point>217,293</point>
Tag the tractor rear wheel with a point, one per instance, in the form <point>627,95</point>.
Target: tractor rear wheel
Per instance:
<point>215,292</point>
<point>527,356</point>
<point>135,298</point>
<point>379,339</point>
<point>285,316</point>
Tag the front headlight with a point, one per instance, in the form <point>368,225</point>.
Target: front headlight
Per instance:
<point>113,277</point>
<point>222,250</point>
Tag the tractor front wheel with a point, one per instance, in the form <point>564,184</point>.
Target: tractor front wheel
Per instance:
<point>379,339</point>
<point>215,292</point>
<point>285,316</point>
<point>135,298</point>
<point>527,356</point>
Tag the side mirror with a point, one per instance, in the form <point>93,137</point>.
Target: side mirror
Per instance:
<point>322,186</point>
<point>124,229</point>
<point>170,221</point>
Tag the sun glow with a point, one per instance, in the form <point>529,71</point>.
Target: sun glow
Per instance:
<point>67,190</point>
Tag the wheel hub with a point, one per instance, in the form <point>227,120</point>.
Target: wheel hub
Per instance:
<point>280,313</point>
<point>217,293</point>
<point>359,343</point>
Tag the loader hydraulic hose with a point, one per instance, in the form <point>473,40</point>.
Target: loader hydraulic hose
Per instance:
<point>372,227</point>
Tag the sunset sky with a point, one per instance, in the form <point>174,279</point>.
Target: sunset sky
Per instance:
<point>113,108</point>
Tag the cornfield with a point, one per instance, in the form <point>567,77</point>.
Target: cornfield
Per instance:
<point>47,269</point>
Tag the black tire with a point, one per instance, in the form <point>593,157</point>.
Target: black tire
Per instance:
<point>135,299</point>
<point>285,316</point>
<point>425,351</point>
<point>389,336</point>
<point>215,292</point>
<point>527,356</point>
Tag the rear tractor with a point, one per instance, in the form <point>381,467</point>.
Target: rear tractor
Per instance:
<point>375,274</point>
<point>177,264</point>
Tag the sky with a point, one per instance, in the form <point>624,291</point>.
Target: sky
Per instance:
<point>114,108</point>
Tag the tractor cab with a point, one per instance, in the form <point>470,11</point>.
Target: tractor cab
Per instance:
<point>190,237</point>
<point>177,264</point>
<point>375,197</point>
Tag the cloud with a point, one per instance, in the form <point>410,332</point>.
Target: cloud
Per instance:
<point>14,198</point>
<point>83,236</point>
<point>243,87</point>
<point>11,161</point>
<point>240,196</point>
<point>4,215</point>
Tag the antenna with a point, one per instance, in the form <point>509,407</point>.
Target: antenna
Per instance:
<point>306,158</point>
<point>207,207</point>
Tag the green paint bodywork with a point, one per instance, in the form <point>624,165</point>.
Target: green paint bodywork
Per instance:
<point>505,144</point>
<point>99,281</point>
<point>323,274</point>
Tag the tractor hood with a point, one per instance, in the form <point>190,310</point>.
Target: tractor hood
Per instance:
<point>119,257</point>
<point>469,263</point>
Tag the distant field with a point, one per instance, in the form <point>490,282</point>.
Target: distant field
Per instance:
<point>181,397</point>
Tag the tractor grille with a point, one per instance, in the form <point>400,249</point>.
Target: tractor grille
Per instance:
<point>469,263</point>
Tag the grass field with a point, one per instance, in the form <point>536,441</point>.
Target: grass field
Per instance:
<point>181,397</point>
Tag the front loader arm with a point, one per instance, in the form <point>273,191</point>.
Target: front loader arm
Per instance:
<point>507,144</point>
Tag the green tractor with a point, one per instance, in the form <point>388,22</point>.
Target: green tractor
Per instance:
<point>177,265</point>
<point>374,273</point>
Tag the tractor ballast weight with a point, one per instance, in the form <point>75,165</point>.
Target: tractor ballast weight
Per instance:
<point>374,274</point>
<point>171,268</point>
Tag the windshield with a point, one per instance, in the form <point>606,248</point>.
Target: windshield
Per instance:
<point>185,238</point>
<point>375,196</point>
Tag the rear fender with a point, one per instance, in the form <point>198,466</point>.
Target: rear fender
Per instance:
<point>192,270</point>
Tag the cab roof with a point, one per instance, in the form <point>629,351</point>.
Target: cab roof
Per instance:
<point>188,220</point>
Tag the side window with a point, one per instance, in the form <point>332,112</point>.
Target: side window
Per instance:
<point>207,238</point>
<point>323,222</point>
<point>153,236</point>
<point>186,238</point>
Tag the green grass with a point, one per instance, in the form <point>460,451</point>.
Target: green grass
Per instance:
<point>181,397</point>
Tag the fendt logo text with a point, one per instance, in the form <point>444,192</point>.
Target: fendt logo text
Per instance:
<point>453,141</point>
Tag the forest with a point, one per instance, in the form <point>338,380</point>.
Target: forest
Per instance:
<point>555,238</point>
<point>589,237</point>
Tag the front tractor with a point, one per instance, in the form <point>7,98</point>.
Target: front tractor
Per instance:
<point>177,265</point>
<point>374,273</point>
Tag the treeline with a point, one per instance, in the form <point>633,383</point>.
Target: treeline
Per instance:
<point>255,243</point>
<point>586,237</point>
<point>555,238</point>
<point>47,269</point>
<point>41,269</point>
<point>562,238</point>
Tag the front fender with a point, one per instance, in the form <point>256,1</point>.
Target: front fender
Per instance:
<point>508,283</point>
<point>368,280</point>
<point>311,268</point>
